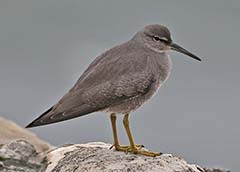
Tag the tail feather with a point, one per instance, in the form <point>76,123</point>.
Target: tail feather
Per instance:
<point>52,115</point>
<point>35,123</point>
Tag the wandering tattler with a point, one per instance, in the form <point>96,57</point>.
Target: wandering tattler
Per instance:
<point>119,81</point>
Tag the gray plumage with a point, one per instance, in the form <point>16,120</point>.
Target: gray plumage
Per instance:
<point>120,80</point>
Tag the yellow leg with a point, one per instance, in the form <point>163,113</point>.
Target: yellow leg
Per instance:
<point>113,118</point>
<point>133,148</point>
<point>114,128</point>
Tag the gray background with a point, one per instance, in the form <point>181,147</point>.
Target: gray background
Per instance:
<point>46,45</point>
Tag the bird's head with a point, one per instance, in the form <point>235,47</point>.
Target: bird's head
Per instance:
<point>158,38</point>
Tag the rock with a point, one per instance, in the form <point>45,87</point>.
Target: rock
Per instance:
<point>30,154</point>
<point>21,156</point>
<point>98,157</point>
<point>10,131</point>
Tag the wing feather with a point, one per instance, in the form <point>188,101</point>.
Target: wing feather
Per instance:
<point>107,81</point>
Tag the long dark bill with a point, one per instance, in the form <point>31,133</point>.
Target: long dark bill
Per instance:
<point>184,51</point>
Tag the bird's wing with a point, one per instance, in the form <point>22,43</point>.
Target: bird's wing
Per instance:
<point>115,92</point>
<point>107,81</point>
<point>100,97</point>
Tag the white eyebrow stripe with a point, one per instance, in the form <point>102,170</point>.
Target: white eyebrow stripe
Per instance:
<point>164,38</point>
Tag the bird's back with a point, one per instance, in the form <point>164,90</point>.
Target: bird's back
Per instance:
<point>120,74</point>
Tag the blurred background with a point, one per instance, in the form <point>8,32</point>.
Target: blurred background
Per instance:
<point>46,45</point>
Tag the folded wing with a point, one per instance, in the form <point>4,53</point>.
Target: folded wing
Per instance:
<point>108,81</point>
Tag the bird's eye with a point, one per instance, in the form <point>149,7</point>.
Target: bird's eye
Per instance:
<point>156,38</point>
<point>161,39</point>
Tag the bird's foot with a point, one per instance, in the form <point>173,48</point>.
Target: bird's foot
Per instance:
<point>129,147</point>
<point>125,147</point>
<point>136,149</point>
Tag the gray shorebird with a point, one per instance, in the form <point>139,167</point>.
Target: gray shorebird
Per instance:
<point>119,81</point>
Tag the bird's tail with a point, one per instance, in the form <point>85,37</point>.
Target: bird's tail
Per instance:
<point>53,115</point>
<point>36,122</point>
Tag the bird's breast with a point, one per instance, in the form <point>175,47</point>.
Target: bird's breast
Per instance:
<point>160,66</point>
<point>157,68</point>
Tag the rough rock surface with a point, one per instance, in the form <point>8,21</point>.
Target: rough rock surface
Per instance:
<point>94,157</point>
<point>20,156</point>
<point>31,154</point>
<point>9,131</point>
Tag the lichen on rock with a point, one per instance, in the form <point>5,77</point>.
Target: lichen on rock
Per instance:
<point>20,156</point>
<point>94,157</point>
<point>31,154</point>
